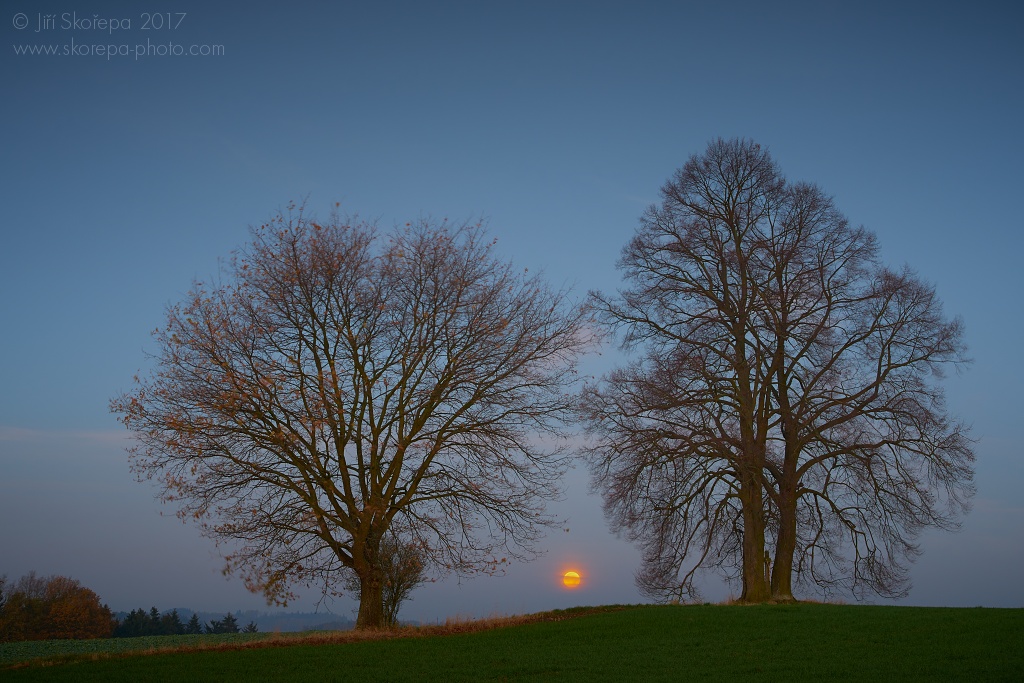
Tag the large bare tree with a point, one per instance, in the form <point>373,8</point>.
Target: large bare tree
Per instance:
<point>865,455</point>
<point>785,395</point>
<point>337,384</point>
<point>683,433</point>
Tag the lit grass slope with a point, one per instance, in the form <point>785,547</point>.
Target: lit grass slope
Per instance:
<point>803,642</point>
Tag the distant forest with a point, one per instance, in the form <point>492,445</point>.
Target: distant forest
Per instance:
<point>60,608</point>
<point>136,622</point>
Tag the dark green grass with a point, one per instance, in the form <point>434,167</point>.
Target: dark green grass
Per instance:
<point>11,653</point>
<point>699,643</point>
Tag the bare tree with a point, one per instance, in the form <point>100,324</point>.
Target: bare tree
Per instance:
<point>339,384</point>
<point>866,455</point>
<point>683,433</point>
<point>785,393</point>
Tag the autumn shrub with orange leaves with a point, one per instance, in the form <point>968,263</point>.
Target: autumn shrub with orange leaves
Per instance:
<point>51,608</point>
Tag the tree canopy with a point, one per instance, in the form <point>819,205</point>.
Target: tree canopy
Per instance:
<point>784,415</point>
<point>336,384</point>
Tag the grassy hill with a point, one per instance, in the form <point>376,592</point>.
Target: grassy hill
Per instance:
<point>700,643</point>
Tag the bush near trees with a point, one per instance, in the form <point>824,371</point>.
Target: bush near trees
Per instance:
<point>51,608</point>
<point>403,568</point>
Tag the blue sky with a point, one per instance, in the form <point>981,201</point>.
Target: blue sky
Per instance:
<point>124,179</point>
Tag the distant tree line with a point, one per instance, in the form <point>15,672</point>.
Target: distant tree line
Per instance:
<point>139,622</point>
<point>60,608</point>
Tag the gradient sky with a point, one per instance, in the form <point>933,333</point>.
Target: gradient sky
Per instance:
<point>124,179</point>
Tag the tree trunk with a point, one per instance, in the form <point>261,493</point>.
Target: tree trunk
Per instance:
<point>782,571</point>
<point>749,469</point>
<point>788,483</point>
<point>755,583</point>
<point>371,602</point>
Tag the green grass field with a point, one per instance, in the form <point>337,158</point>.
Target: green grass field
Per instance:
<point>700,643</point>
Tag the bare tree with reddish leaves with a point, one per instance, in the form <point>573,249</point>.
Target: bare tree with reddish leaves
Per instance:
<point>340,384</point>
<point>784,418</point>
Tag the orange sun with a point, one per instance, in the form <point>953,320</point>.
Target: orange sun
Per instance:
<point>571,580</point>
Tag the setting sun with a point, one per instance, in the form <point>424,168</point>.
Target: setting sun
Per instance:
<point>571,579</point>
